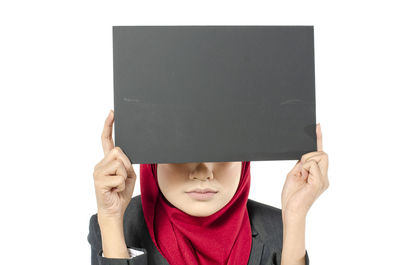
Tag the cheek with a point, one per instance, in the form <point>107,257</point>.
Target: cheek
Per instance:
<point>230,185</point>
<point>170,185</point>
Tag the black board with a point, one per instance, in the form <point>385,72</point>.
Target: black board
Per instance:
<point>214,93</point>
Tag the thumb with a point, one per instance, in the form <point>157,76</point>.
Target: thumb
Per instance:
<point>296,170</point>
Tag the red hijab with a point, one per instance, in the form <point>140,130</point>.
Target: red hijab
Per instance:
<point>221,238</point>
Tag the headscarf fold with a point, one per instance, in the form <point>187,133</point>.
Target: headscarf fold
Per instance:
<point>221,238</point>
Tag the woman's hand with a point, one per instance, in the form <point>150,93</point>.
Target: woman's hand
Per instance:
<point>305,182</point>
<point>114,178</point>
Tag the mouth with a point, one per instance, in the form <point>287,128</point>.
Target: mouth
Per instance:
<point>202,190</point>
<point>201,194</point>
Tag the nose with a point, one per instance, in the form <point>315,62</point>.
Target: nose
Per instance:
<point>202,172</point>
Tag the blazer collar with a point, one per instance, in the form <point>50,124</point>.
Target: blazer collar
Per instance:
<point>257,247</point>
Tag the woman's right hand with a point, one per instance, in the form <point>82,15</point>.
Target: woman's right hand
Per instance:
<point>114,177</point>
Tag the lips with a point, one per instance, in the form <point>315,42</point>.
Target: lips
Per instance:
<point>201,194</point>
<point>208,190</point>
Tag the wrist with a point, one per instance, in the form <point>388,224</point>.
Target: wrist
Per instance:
<point>111,229</point>
<point>113,239</point>
<point>290,218</point>
<point>293,249</point>
<point>115,218</point>
<point>294,227</point>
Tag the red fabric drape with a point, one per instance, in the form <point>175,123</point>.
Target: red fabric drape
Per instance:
<point>221,238</point>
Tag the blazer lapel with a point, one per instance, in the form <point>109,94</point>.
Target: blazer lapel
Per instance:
<point>257,247</point>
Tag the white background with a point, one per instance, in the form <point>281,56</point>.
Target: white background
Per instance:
<point>56,82</point>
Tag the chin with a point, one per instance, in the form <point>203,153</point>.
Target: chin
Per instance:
<point>201,210</point>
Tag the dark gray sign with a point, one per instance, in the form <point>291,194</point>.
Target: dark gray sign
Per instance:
<point>214,93</point>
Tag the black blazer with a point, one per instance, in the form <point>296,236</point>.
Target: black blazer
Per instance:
<point>266,226</point>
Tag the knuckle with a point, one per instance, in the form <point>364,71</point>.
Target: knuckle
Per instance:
<point>97,166</point>
<point>95,170</point>
<point>121,186</point>
<point>114,151</point>
<point>121,153</point>
<point>118,162</point>
<point>120,167</point>
<point>96,178</point>
<point>121,179</point>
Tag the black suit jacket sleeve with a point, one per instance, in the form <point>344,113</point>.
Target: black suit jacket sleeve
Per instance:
<point>276,258</point>
<point>94,238</point>
<point>267,227</point>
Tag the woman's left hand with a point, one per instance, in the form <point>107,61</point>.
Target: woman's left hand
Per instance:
<point>305,182</point>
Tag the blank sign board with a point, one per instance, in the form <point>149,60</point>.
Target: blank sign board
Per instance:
<point>214,93</point>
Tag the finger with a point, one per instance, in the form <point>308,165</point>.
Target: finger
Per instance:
<point>305,157</point>
<point>117,153</point>
<point>115,167</point>
<point>127,163</point>
<point>116,176</point>
<point>296,169</point>
<point>322,162</point>
<point>107,176</point>
<point>116,183</point>
<point>106,136</point>
<point>319,137</point>
<point>321,158</point>
<point>315,176</point>
<point>304,172</point>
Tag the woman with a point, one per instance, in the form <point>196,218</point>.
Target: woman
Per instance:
<point>199,213</point>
